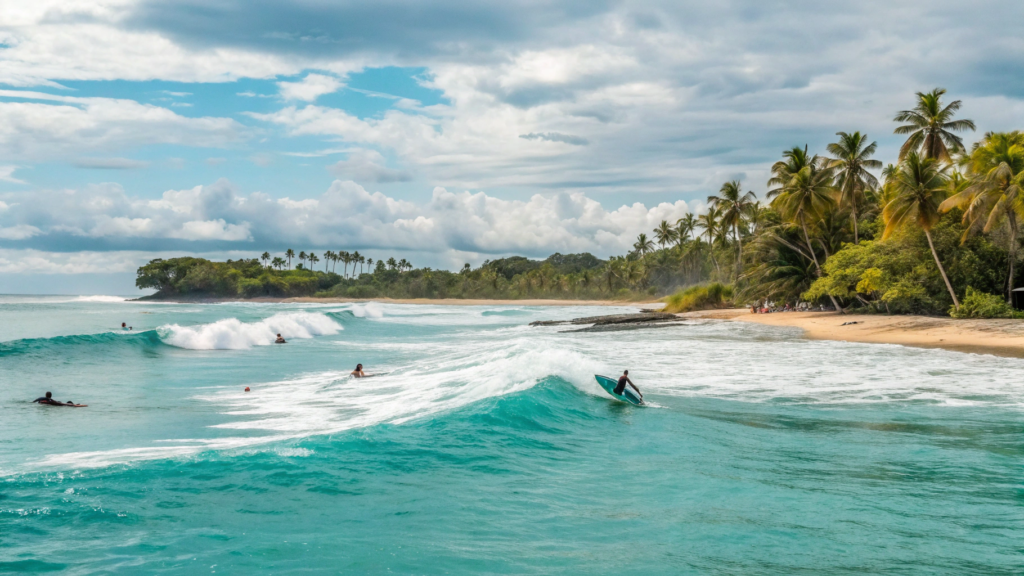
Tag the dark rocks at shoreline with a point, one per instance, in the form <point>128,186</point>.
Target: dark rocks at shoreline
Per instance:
<point>614,322</point>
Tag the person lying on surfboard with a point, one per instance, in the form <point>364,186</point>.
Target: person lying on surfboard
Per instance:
<point>621,386</point>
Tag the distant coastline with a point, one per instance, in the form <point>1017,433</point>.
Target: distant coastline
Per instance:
<point>434,301</point>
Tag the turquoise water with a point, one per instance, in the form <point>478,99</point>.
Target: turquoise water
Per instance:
<point>486,447</point>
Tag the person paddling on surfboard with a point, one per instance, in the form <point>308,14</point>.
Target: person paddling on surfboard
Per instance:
<point>358,372</point>
<point>621,386</point>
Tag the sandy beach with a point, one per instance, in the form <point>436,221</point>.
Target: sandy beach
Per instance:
<point>436,302</point>
<point>998,337</point>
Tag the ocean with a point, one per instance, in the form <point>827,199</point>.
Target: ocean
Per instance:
<point>485,446</point>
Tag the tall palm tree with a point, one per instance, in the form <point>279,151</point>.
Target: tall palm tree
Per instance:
<point>277,262</point>
<point>709,222</point>
<point>807,195</point>
<point>643,244</point>
<point>931,127</point>
<point>392,264</point>
<point>345,259</point>
<point>369,264</point>
<point>919,187</point>
<point>793,160</point>
<point>684,228</point>
<point>664,233</point>
<point>403,264</point>
<point>266,258</point>
<point>734,206</point>
<point>302,256</point>
<point>355,260</point>
<point>993,197</point>
<point>312,259</point>
<point>852,160</point>
<point>289,254</point>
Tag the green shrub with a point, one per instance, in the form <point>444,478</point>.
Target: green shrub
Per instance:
<point>978,304</point>
<point>704,297</point>
<point>361,291</point>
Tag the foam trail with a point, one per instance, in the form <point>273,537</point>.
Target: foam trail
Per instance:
<point>233,334</point>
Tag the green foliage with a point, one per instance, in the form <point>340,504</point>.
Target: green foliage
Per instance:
<point>978,304</point>
<point>714,295</point>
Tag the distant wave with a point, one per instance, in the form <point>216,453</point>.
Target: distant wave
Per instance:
<point>233,334</point>
<point>100,299</point>
<point>37,345</point>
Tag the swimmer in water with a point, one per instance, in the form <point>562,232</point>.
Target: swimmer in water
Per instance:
<point>280,340</point>
<point>48,399</point>
<point>358,372</point>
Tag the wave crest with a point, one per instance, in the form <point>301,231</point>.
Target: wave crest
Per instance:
<point>233,334</point>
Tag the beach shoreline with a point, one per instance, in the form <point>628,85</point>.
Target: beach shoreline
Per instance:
<point>998,337</point>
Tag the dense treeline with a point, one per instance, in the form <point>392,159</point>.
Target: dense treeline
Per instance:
<point>935,232</point>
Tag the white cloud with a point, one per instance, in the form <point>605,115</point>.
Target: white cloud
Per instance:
<point>74,125</point>
<point>345,215</point>
<point>7,175</point>
<point>309,88</point>
<point>367,166</point>
<point>109,163</point>
<point>19,232</point>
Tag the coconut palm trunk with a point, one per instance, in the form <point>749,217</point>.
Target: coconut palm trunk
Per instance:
<point>739,252</point>
<point>928,235</point>
<point>1013,255</point>
<point>817,267</point>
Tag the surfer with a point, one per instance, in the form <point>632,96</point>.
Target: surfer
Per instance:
<point>48,399</point>
<point>358,372</point>
<point>280,340</point>
<point>621,386</point>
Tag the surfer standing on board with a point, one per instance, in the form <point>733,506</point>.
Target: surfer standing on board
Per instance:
<point>621,386</point>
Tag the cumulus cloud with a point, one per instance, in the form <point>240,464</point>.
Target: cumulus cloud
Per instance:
<point>345,215</point>
<point>309,88</point>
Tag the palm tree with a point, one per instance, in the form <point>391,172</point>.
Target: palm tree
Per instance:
<point>277,262</point>
<point>734,206</point>
<point>289,254</point>
<point>664,233</point>
<point>931,127</point>
<point>302,256</point>
<point>851,163</point>
<point>355,260</point>
<point>369,264</point>
<point>709,222</point>
<point>807,195</point>
<point>684,228</point>
<point>919,187</point>
<point>993,196</point>
<point>643,244</point>
<point>794,160</point>
<point>265,257</point>
<point>403,264</point>
<point>312,260</point>
<point>392,264</point>
<point>345,259</point>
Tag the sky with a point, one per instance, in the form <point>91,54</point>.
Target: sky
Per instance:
<point>444,132</point>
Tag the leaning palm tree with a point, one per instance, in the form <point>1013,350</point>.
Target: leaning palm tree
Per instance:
<point>643,245</point>
<point>919,187</point>
<point>734,206</point>
<point>993,197</point>
<point>369,264</point>
<point>355,260</point>
<point>852,160</point>
<point>664,233</point>
<point>931,127</point>
<point>684,228</point>
<point>793,160</point>
<point>807,196</point>
<point>289,254</point>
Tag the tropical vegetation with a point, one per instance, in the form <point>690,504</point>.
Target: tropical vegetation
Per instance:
<point>935,232</point>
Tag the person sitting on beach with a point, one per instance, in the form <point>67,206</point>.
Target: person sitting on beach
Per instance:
<point>621,386</point>
<point>358,372</point>
<point>280,340</point>
<point>48,399</point>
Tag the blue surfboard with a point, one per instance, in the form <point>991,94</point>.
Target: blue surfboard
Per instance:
<point>628,395</point>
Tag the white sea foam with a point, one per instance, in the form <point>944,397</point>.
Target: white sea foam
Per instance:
<point>368,310</point>
<point>233,334</point>
<point>110,299</point>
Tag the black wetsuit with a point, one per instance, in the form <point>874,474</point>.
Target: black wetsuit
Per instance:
<point>45,400</point>
<point>621,386</point>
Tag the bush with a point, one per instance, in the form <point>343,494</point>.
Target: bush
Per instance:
<point>978,304</point>
<point>361,291</point>
<point>714,295</point>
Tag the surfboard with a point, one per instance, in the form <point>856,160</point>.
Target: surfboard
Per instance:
<point>628,395</point>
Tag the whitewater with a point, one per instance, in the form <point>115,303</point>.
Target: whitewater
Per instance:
<point>484,445</point>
